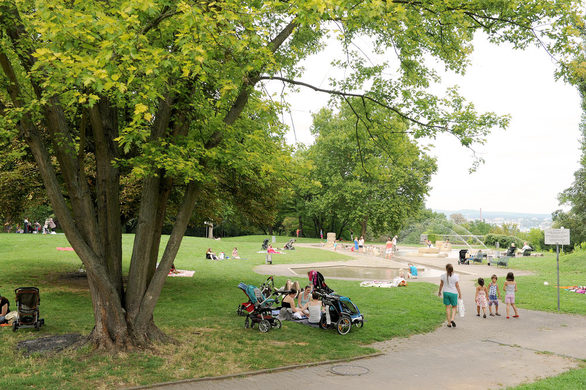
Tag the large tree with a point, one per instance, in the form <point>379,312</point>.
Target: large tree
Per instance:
<point>371,172</point>
<point>168,91</point>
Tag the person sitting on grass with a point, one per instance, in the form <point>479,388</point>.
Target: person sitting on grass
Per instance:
<point>4,309</point>
<point>211,255</point>
<point>235,253</point>
<point>289,303</point>
<point>304,299</point>
<point>315,309</point>
<point>412,271</point>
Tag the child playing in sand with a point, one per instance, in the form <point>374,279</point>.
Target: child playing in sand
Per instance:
<point>480,298</point>
<point>494,295</point>
<point>510,288</point>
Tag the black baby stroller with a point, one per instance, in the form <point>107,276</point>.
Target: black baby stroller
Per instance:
<point>462,259</point>
<point>318,282</point>
<point>27,306</point>
<point>261,311</point>
<point>289,245</point>
<point>340,313</point>
<point>265,244</point>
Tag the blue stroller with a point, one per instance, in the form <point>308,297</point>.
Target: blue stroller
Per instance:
<point>260,309</point>
<point>341,313</point>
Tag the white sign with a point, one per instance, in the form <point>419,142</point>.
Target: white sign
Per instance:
<point>557,236</point>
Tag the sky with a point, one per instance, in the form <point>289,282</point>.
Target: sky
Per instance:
<point>526,166</point>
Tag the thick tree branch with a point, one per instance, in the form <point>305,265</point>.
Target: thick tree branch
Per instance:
<point>248,85</point>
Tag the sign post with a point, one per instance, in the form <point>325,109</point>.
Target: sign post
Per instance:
<point>557,237</point>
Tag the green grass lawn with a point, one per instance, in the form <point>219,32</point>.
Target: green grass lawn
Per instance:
<point>199,312</point>
<point>534,294</point>
<point>573,379</point>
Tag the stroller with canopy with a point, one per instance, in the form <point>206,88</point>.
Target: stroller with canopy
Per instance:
<point>259,310</point>
<point>267,289</point>
<point>318,282</point>
<point>341,313</point>
<point>289,245</point>
<point>27,304</point>
<point>265,244</point>
<point>462,259</point>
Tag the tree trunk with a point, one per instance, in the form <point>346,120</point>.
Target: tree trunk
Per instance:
<point>363,227</point>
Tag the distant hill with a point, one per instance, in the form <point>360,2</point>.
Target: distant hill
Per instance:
<point>506,215</point>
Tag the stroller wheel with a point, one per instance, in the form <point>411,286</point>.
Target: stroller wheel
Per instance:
<point>247,323</point>
<point>360,324</point>
<point>323,322</point>
<point>277,323</point>
<point>264,326</point>
<point>344,325</point>
<point>14,326</point>
<point>239,310</point>
<point>37,325</point>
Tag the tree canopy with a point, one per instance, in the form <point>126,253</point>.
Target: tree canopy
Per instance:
<point>166,94</point>
<point>362,173</point>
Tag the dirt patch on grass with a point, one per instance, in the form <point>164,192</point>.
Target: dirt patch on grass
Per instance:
<point>277,343</point>
<point>48,344</point>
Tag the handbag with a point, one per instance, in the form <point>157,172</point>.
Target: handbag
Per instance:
<point>461,308</point>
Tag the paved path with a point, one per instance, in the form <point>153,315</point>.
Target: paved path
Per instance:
<point>478,354</point>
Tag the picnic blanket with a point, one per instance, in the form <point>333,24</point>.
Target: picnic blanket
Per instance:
<point>181,273</point>
<point>67,248</point>
<point>273,253</point>
<point>576,289</point>
<point>397,282</point>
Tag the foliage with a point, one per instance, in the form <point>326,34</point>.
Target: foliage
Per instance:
<point>458,218</point>
<point>365,176</point>
<point>536,238</point>
<point>507,229</point>
<point>503,240</point>
<point>168,94</point>
<point>21,191</point>
<point>425,222</point>
<point>575,195</point>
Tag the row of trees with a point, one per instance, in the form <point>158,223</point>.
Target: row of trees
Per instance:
<point>437,226</point>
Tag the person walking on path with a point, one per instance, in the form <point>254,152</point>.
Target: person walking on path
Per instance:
<point>494,295</point>
<point>451,289</point>
<point>480,298</point>
<point>510,288</point>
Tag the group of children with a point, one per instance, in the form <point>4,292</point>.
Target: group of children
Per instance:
<point>490,296</point>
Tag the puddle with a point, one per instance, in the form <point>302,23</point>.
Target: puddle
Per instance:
<point>364,273</point>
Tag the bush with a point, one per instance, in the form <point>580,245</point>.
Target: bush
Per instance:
<point>503,240</point>
<point>536,238</point>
